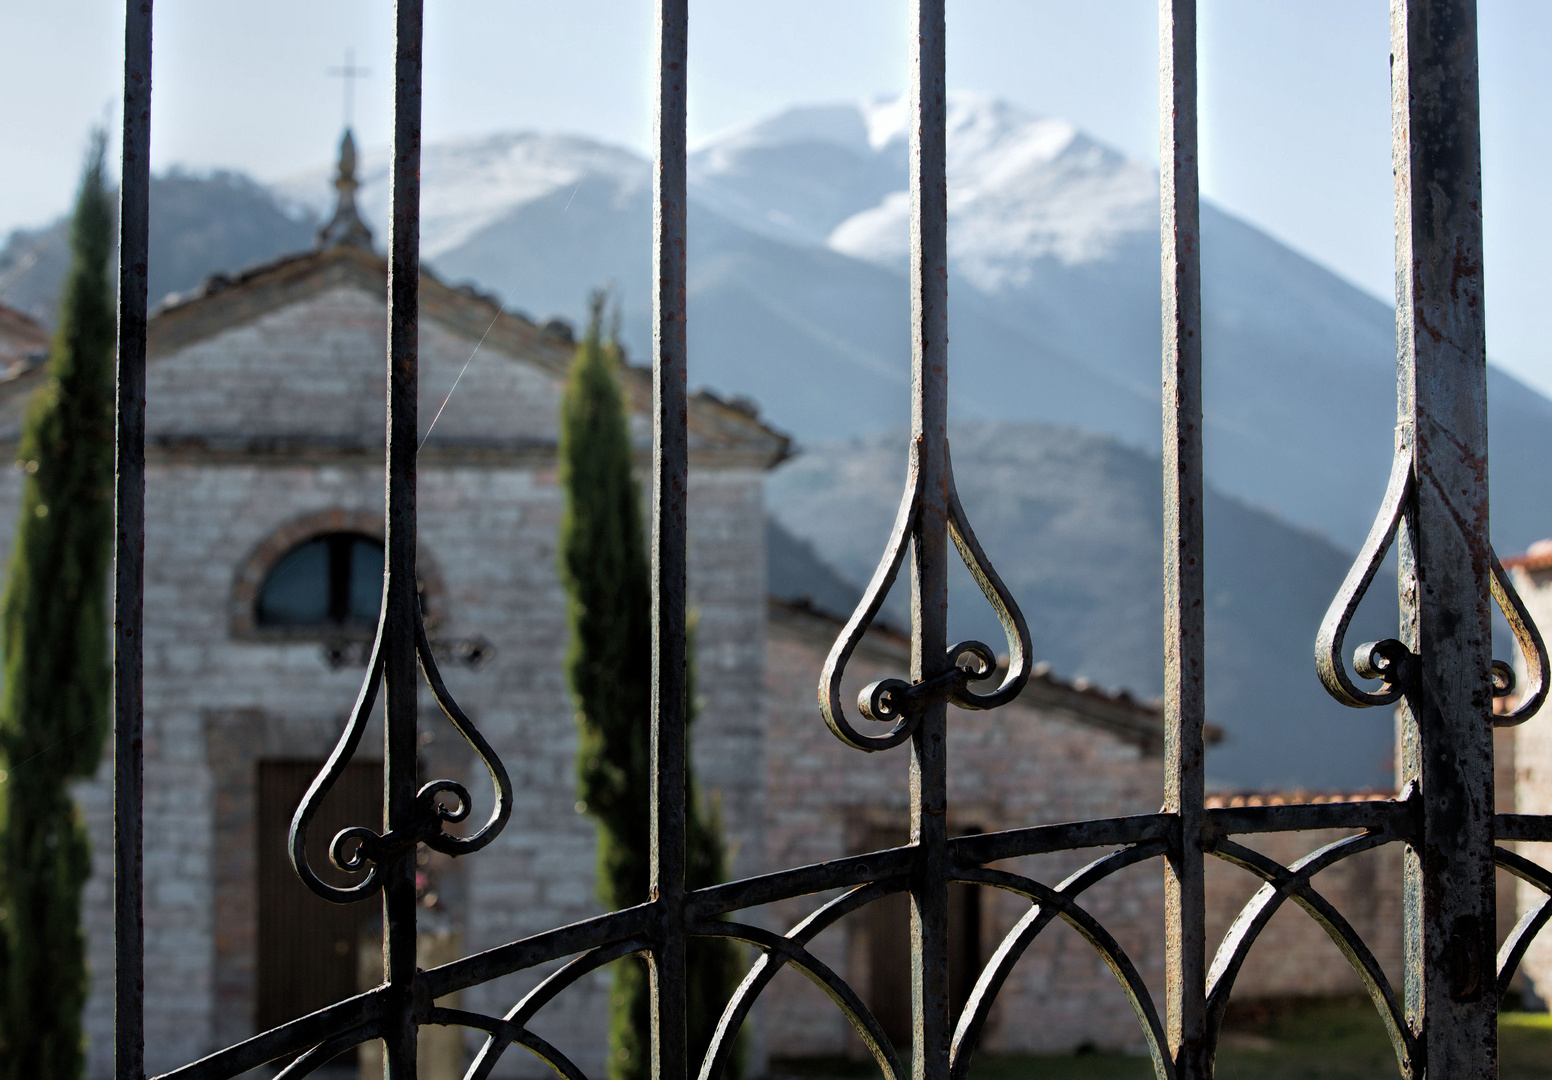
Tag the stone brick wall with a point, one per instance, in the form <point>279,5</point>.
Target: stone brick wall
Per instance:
<point>315,369</point>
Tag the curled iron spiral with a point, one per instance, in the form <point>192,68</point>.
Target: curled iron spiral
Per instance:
<point>361,850</point>
<point>896,701</point>
<point>1389,659</point>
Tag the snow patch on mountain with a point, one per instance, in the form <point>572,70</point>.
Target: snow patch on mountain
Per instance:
<point>1022,187</point>
<point>468,185</point>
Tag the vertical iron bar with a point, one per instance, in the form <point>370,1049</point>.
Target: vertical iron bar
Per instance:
<point>400,683</point>
<point>670,483</point>
<point>129,555</point>
<point>932,1029</point>
<point>1447,744</point>
<point>1184,708</point>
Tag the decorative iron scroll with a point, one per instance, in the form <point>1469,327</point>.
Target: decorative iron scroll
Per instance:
<point>895,701</point>
<point>1390,660</point>
<point>371,850</point>
<point>1435,502</point>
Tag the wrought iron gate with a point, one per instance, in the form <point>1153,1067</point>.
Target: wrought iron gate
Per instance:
<point>1439,671</point>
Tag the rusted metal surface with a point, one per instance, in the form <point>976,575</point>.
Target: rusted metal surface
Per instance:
<point>1184,627</point>
<point>129,554</point>
<point>927,121</point>
<point>1438,667</point>
<point>1445,559</point>
<point>670,493</point>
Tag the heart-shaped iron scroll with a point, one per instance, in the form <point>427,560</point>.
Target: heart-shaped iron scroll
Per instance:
<point>359,849</point>
<point>1390,660</point>
<point>1532,648</point>
<point>895,700</point>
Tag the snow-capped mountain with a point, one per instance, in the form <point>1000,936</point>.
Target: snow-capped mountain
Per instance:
<point>1021,187</point>
<point>797,238</point>
<point>797,300</point>
<point>1053,240</point>
<point>467,185</point>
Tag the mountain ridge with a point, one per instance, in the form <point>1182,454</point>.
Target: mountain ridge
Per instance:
<point>788,305</point>
<point>1072,522</point>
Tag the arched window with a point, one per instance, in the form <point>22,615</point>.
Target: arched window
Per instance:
<point>332,581</point>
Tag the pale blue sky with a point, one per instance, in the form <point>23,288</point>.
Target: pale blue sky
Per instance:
<point>1295,98</point>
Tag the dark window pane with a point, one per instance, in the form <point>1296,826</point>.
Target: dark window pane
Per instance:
<point>366,580</point>
<point>296,591</point>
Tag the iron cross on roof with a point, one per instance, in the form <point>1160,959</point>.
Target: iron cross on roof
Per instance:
<point>349,72</point>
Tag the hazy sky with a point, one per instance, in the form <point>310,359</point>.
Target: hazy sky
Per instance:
<point>1295,97</point>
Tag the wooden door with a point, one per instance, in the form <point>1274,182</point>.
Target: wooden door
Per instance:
<point>307,947</point>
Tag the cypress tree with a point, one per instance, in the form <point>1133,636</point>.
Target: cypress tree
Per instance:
<point>54,637</point>
<point>603,564</point>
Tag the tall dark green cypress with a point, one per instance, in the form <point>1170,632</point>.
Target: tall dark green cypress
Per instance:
<point>603,564</point>
<point>54,637</point>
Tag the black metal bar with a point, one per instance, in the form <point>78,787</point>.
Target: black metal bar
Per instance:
<point>1445,559</point>
<point>1184,677</point>
<point>129,555</point>
<point>670,488</point>
<point>1392,817</point>
<point>289,1038</point>
<point>799,881</point>
<point>632,922</point>
<point>400,604</point>
<point>932,1028</point>
<point>1523,827</point>
<point>1068,836</point>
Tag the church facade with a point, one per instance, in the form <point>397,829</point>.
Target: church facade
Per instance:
<point>264,503</point>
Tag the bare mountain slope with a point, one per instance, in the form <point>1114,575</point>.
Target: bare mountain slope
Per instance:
<point>1071,520</point>
<point>200,225</point>
<point>1057,237</point>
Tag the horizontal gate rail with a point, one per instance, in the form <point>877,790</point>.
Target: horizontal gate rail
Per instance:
<point>1438,671</point>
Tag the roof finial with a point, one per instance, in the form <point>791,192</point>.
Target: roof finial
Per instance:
<point>346,226</point>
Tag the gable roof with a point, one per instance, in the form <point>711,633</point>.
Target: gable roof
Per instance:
<point>717,428</point>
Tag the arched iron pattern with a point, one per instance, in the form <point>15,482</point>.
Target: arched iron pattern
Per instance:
<point>1513,949</point>
<point>1283,883</point>
<point>1444,680</point>
<point>513,1027</point>
<point>504,1034</point>
<point>772,960</point>
<point>1048,904</point>
<point>1105,945</point>
<point>830,984</point>
<point>326,1051</point>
